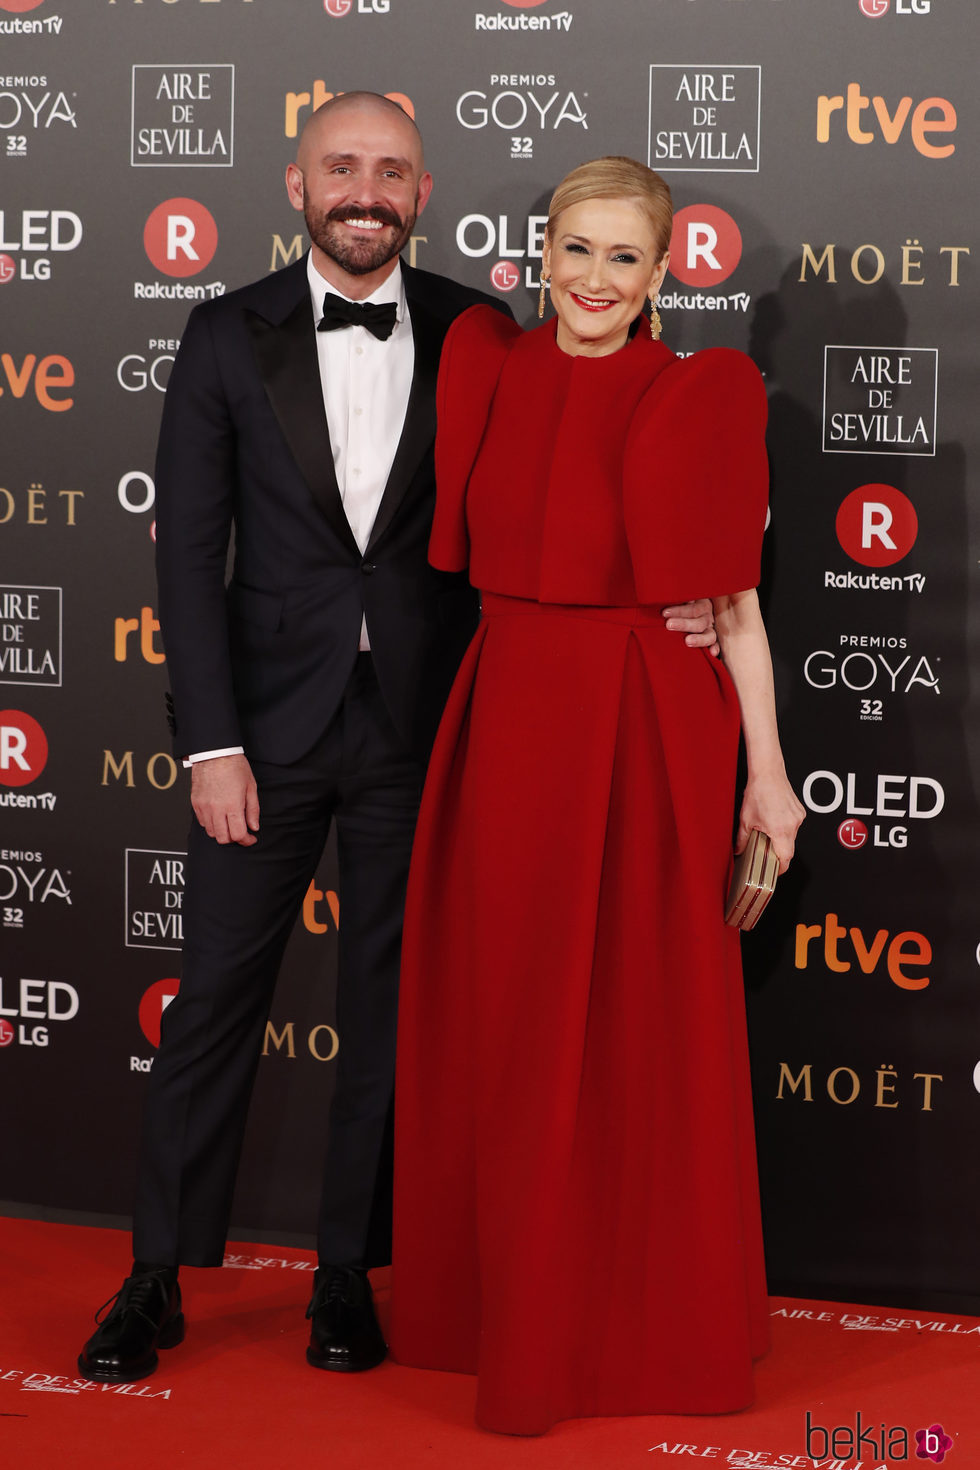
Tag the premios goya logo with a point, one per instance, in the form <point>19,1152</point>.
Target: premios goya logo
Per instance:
<point>524,106</point>
<point>874,666</point>
<point>32,108</point>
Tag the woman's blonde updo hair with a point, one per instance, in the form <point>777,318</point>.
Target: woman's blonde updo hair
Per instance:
<point>617,178</point>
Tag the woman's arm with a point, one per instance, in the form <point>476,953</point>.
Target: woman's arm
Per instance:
<point>769,803</point>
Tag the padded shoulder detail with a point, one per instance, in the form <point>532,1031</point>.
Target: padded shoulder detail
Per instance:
<point>474,352</point>
<point>696,478</point>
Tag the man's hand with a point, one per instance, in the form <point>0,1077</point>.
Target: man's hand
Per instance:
<point>225,799</point>
<point>697,621</point>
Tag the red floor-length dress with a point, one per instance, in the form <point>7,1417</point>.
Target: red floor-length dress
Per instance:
<point>576,1205</point>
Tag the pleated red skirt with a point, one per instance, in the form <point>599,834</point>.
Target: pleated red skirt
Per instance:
<point>576,1201</point>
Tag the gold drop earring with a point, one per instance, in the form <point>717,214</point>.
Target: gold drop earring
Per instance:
<point>544,281</point>
<point>656,325</point>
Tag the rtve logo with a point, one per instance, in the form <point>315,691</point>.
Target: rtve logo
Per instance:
<point>705,245</point>
<point>147,626</point>
<point>933,115</point>
<point>48,375</point>
<point>901,952</point>
<point>297,102</point>
<point>877,525</point>
<point>23,748</point>
<point>180,237</point>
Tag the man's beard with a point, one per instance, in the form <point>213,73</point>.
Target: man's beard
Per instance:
<point>356,256</point>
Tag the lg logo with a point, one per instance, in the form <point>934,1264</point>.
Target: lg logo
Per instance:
<point>180,237</point>
<point>338,8</point>
<point>705,246</point>
<point>505,276</point>
<point>875,9</point>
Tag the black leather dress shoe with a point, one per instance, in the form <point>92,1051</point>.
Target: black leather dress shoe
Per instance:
<point>344,1335</point>
<point>143,1315</point>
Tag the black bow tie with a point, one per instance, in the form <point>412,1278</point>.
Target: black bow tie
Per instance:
<point>379,318</point>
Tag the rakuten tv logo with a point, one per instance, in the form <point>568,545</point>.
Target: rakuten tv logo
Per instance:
<point>152,1006</point>
<point>705,245</point>
<point>180,237</point>
<point>18,7</point>
<point>23,748</point>
<point>877,525</point>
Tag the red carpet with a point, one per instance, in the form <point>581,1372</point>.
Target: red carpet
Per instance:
<point>238,1392</point>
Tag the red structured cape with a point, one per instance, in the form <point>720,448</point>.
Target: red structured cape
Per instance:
<point>680,467</point>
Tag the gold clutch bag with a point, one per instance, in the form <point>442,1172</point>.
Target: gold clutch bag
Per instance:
<point>753,882</point>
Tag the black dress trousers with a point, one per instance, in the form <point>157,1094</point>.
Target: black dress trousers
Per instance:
<point>240,907</point>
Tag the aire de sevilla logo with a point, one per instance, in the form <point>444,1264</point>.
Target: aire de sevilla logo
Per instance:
<point>705,245</point>
<point>877,525</point>
<point>180,237</point>
<point>23,748</point>
<point>152,1006</point>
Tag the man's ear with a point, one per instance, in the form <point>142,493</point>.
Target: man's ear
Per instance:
<point>294,186</point>
<point>424,190</point>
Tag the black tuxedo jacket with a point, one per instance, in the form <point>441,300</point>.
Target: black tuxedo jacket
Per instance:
<point>245,456</point>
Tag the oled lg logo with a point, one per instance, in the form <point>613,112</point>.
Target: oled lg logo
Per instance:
<point>35,1001</point>
<point>888,800</point>
<point>34,237</point>
<point>180,238</point>
<point>478,235</point>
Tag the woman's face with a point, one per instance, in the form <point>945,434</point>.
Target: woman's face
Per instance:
<point>603,265</point>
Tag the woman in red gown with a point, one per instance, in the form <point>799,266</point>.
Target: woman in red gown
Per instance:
<point>576,1206</point>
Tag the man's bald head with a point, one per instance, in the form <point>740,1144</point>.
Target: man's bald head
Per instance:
<point>316,128</point>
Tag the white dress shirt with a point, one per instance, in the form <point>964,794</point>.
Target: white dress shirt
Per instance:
<point>366,385</point>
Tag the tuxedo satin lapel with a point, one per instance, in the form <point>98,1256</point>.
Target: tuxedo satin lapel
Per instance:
<point>287,360</point>
<point>418,431</point>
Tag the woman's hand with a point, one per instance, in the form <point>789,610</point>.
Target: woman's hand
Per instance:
<point>771,805</point>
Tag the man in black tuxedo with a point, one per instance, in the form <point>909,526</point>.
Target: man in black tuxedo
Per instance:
<point>300,415</point>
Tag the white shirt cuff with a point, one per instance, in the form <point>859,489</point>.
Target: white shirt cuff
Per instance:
<point>210,755</point>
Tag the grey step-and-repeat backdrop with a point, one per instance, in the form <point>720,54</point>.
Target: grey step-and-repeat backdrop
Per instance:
<point>823,159</point>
